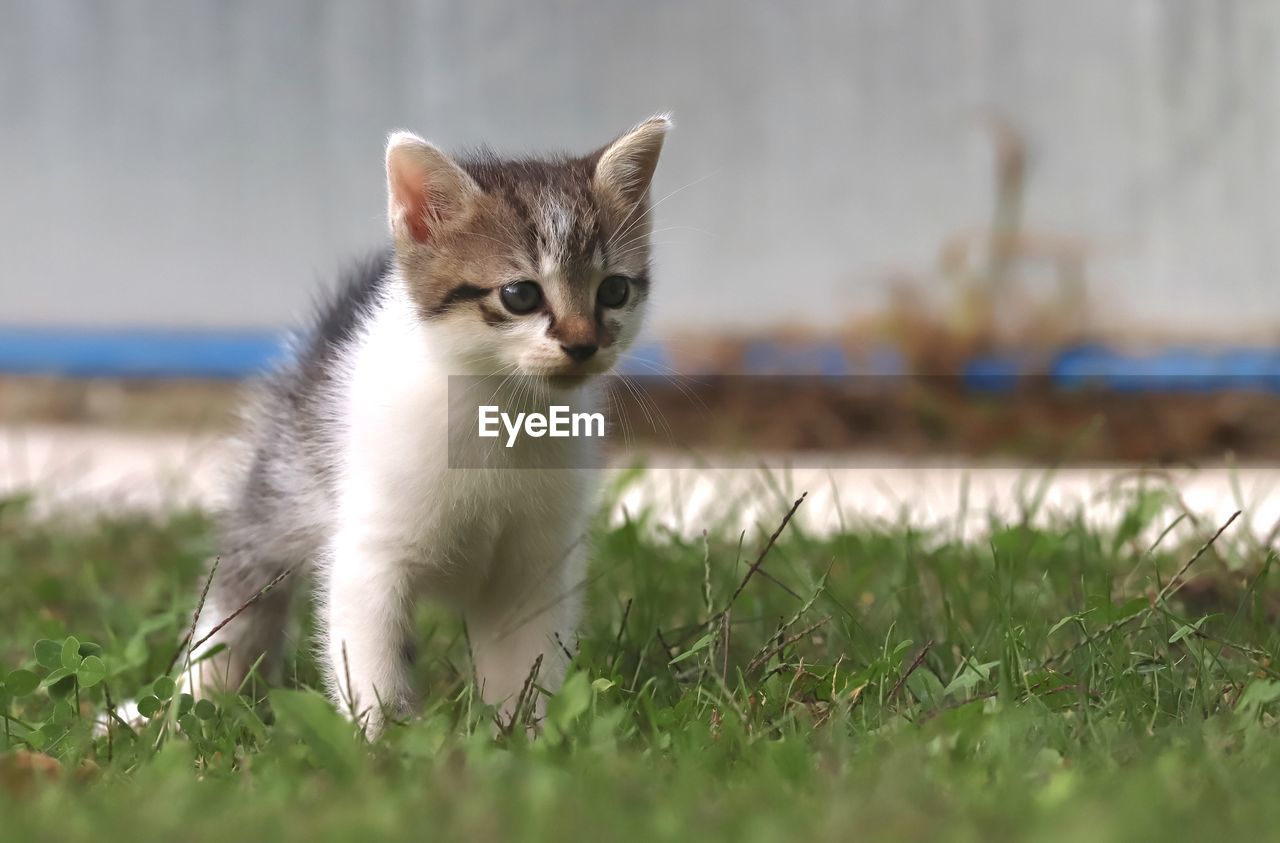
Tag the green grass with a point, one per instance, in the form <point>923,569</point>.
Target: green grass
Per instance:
<point>884,683</point>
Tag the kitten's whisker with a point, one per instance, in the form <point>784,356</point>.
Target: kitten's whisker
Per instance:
<point>675,378</point>
<point>657,411</point>
<point>648,209</point>
<point>626,382</point>
<point>621,416</point>
<point>641,246</point>
<point>624,416</point>
<point>508,367</point>
<point>507,372</point>
<point>646,406</point>
<point>667,228</point>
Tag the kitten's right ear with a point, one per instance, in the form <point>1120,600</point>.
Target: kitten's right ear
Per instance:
<point>425,188</point>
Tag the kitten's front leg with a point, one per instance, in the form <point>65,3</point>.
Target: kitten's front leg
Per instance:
<point>366,619</point>
<point>512,627</point>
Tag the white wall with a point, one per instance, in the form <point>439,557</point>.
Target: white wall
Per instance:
<point>209,163</point>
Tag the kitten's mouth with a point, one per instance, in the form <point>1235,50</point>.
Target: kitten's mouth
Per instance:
<point>571,375</point>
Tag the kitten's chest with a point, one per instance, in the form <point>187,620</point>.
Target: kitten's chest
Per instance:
<point>400,412</point>
<point>474,525</point>
<point>448,507</point>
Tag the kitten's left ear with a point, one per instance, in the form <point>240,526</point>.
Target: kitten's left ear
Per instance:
<point>626,166</point>
<point>425,188</point>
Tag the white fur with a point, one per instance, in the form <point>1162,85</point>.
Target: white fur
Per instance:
<point>501,546</point>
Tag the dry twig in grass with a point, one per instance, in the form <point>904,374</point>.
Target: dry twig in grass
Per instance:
<point>717,618</point>
<point>524,702</point>
<point>243,606</point>
<point>755,566</point>
<point>1170,588</point>
<point>195,618</point>
<point>915,664</point>
<point>761,658</point>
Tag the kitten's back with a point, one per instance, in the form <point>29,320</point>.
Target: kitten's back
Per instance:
<point>284,492</point>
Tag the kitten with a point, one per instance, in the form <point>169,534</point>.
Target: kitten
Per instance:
<point>537,268</point>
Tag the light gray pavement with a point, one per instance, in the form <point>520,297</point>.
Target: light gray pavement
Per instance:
<point>72,468</point>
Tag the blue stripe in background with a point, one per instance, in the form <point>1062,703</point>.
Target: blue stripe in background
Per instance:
<point>234,354</point>
<point>182,354</point>
<point>138,353</point>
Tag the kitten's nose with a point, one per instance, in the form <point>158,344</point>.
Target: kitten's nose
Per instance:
<point>580,353</point>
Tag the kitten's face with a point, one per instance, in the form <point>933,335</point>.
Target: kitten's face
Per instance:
<point>533,267</point>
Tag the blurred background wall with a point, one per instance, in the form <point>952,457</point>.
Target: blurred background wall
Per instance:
<point>187,164</point>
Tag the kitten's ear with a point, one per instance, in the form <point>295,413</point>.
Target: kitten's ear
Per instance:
<point>425,188</point>
<point>626,166</point>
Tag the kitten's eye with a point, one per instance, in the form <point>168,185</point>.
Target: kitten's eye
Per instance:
<point>521,296</point>
<point>614,291</point>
